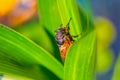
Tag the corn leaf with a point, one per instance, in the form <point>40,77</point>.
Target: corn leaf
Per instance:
<point>80,61</point>
<point>56,12</point>
<point>37,33</point>
<point>116,75</point>
<point>13,66</point>
<point>27,51</point>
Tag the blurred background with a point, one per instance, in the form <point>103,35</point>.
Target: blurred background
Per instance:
<point>108,9</point>
<point>22,16</point>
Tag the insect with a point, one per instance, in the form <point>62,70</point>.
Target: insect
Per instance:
<point>63,39</point>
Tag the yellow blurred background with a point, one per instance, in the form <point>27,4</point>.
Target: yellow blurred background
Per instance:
<point>15,12</point>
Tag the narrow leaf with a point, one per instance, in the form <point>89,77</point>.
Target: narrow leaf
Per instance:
<point>14,43</point>
<point>116,75</point>
<point>56,12</point>
<point>39,35</point>
<point>15,66</point>
<point>80,61</point>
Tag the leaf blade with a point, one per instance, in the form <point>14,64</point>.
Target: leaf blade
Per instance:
<point>80,61</point>
<point>27,50</point>
<point>59,12</point>
<point>116,74</point>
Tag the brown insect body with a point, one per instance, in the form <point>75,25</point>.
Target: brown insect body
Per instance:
<point>63,39</point>
<point>64,48</point>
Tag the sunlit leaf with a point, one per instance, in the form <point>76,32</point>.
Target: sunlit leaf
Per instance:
<point>56,12</point>
<point>80,61</point>
<point>15,44</point>
<point>116,75</point>
<point>36,32</point>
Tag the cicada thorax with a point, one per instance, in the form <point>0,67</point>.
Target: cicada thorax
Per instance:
<point>64,48</point>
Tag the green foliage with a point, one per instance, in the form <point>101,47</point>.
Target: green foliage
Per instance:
<point>116,75</point>
<point>24,56</point>
<point>80,61</point>
<point>59,12</point>
<point>54,13</point>
<point>28,52</point>
<point>34,30</point>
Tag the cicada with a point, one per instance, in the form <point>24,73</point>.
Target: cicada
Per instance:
<point>63,39</point>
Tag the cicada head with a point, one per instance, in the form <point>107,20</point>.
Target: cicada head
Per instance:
<point>60,33</point>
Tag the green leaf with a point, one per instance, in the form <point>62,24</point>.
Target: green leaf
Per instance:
<point>27,51</point>
<point>39,35</point>
<point>56,12</point>
<point>80,61</point>
<point>14,66</point>
<point>116,75</point>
